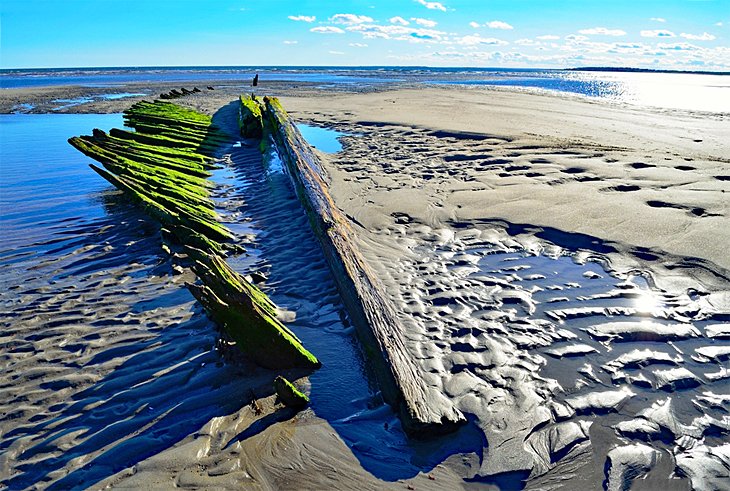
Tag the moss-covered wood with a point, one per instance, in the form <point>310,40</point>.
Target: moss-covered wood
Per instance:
<point>423,410</point>
<point>164,167</point>
<point>247,314</point>
<point>289,395</point>
<point>250,119</point>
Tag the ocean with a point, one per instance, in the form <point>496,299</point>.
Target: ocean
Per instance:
<point>684,91</point>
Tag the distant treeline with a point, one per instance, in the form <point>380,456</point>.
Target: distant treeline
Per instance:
<point>640,70</point>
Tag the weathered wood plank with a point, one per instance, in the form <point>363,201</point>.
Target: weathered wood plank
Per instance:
<point>422,409</point>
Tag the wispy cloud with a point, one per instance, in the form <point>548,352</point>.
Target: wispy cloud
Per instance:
<point>358,45</point>
<point>424,22</point>
<point>657,33</point>
<point>678,46</point>
<point>498,24</point>
<point>706,36</point>
<point>336,53</point>
<point>303,18</point>
<point>291,42</point>
<point>548,37</point>
<point>327,30</point>
<point>399,20</point>
<point>658,19</point>
<point>398,33</point>
<point>474,24</point>
<point>719,24</point>
<point>602,31</point>
<point>350,19</point>
<point>476,39</point>
<point>432,5</point>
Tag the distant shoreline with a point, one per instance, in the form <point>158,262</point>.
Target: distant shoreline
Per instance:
<point>641,70</point>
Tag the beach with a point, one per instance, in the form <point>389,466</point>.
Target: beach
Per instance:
<point>559,262</point>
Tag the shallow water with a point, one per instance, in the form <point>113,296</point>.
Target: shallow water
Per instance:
<point>324,139</point>
<point>106,357</point>
<point>85,100</point>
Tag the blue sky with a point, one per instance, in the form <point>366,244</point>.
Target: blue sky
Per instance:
<point>674,34</point>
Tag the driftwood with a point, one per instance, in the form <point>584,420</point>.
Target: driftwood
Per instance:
<point>422,410</point>
<point>164,167</point>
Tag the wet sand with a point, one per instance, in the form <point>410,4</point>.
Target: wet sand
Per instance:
<point>561,267</point>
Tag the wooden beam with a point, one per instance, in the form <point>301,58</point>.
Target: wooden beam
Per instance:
<point>423,410</point>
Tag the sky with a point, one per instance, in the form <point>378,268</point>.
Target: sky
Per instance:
<point>668,34</point>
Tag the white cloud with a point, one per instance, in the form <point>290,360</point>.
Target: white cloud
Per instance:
<point>399,20</point>
<point>358,45</point>
<point>575,37</point>
<point>548,37</point>
<point>658,33</point>
<point>350,19</point>
<point>498,24</point>
<point>336,53</point>
<point>698,37</point>
<point>527,42</point>
<point>432,5</point>
<point>424,22</point>
<point>476,39</point>
<point>399,33</point>
<point>327,30</point>
<point>291,42</point>
<point>658,19</point>
<point>678,46</point>
<point>603,31</point>
<point>474,24</point>
<point>719,24</point>
<point>303,18</point>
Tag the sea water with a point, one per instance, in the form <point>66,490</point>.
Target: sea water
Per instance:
<point>686,91</point>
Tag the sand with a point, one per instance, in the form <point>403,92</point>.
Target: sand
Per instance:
<point>561,267</point>
<point>636,178</point>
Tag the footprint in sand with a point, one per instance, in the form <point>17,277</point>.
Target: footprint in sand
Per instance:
<point>622,188</point>
<point>641,165</point>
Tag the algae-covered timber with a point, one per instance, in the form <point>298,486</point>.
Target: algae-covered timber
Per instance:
<point>288,394</point>
<point>165,173</point>
<point>247,314</point>
<point>422,410</point>
<point>250,119</point>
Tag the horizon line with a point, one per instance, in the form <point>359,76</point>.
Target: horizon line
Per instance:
<point>578,68</point>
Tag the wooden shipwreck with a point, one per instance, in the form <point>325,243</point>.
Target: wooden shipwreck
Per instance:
<point>164,166</point>
<point>422,409</point>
